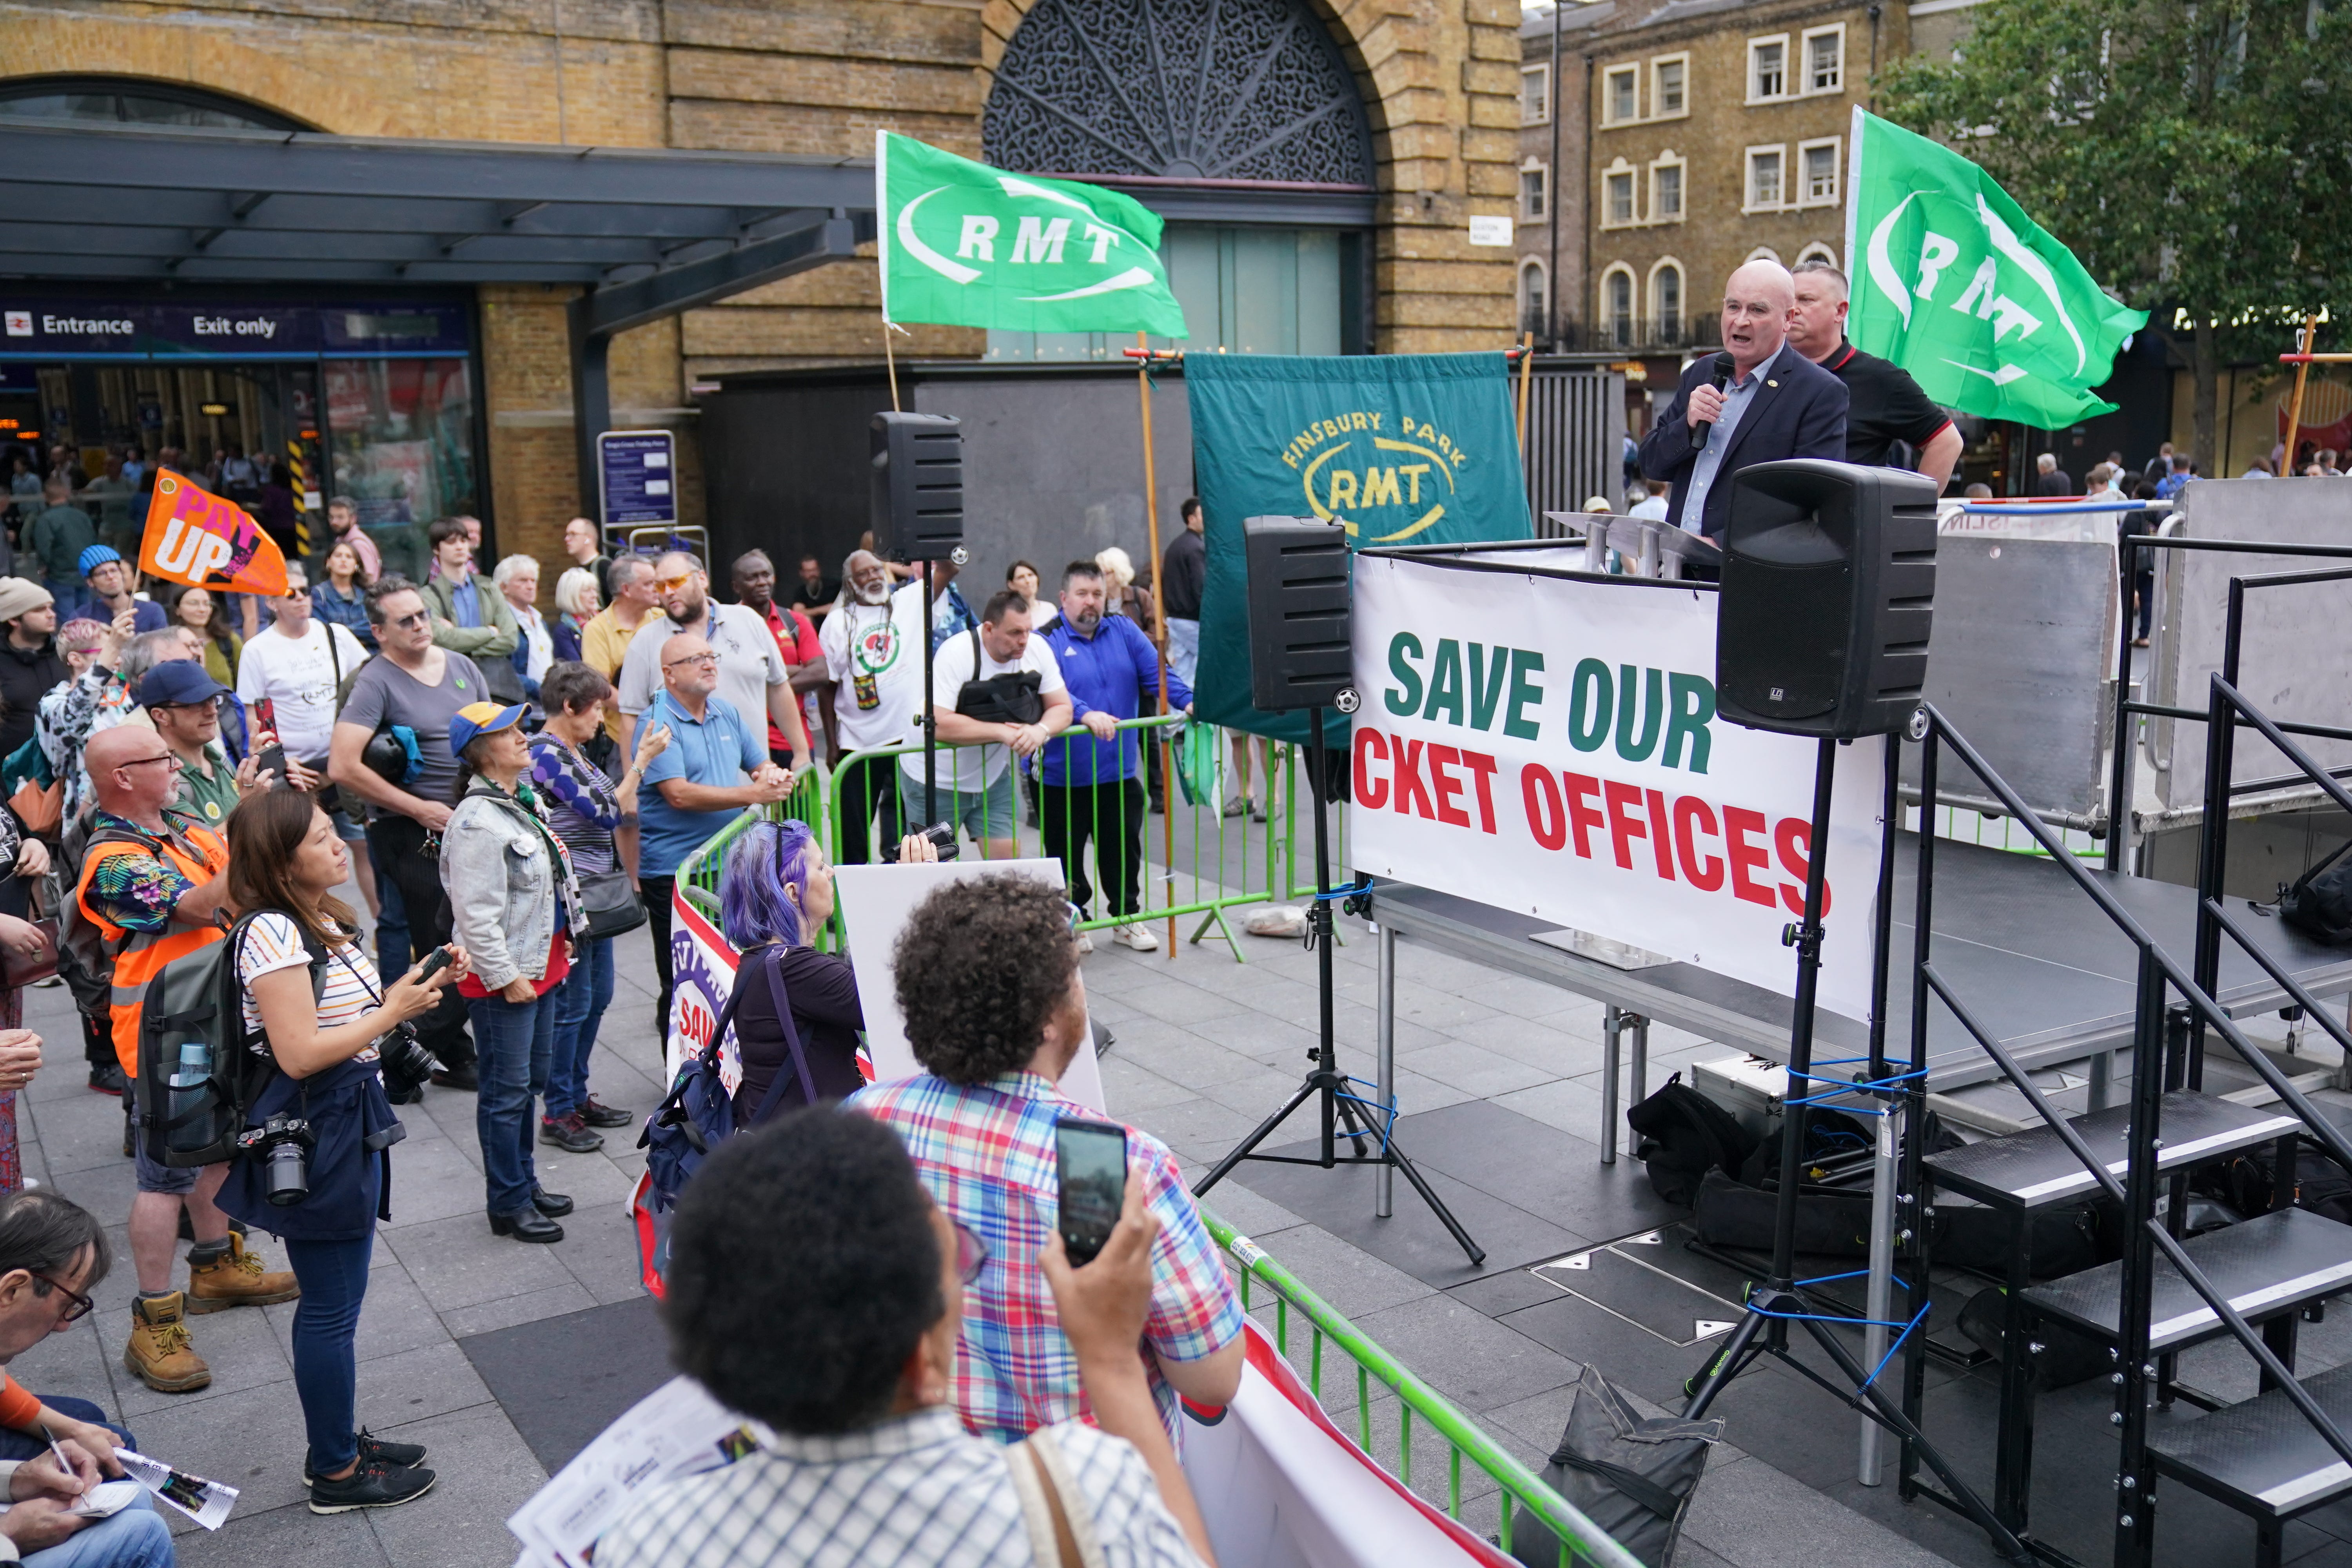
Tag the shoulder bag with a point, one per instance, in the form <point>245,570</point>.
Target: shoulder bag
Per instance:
<point>611,902</point>
<point>1061,1527</point>
<point>1012,698</point>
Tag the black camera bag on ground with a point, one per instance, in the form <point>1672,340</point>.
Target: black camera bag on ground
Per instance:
<point>2068,1356</point>
<point>1631,1476</point>
<point>2246,1181</point>
<point>1684,1135</point>
<point>2319,903</point>
<point>2065,1239</point>
<point>1831,1137</point>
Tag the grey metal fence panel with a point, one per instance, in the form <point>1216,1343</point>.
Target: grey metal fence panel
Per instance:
<point>1576,436</point>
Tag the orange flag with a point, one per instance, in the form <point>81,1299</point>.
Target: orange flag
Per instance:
<point>196,538</point>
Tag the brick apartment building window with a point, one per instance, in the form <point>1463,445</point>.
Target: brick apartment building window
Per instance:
<point>1825,59</point>
<point>1667,97</point>
<point>1532,182</point>
<point>1767,75</point>
<point>1619,289</point>
<point>1621,198</point>
<point>1667,191</point>
<point>1821,173</point>
<point>1623,107</point>
<point>1669,286</point>
<point>1532,318</point>
<point>1764,178</point>
<point>1535,95</point>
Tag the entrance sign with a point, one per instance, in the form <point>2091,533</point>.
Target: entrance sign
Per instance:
<point>637,476</point>
<point>1547,742</point>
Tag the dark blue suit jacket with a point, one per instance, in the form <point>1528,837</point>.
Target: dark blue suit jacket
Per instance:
<point>1798,411</point>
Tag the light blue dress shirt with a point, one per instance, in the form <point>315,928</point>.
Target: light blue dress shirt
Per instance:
<point>1735,399</point>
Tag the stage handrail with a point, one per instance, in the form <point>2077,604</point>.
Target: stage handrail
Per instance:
<point>1582,1540</point>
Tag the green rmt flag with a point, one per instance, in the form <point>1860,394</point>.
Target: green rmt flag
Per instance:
<point>965,245</point>
<point>1953,282</point>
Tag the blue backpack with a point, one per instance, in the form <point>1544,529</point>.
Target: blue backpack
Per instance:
<point>698,1115</point>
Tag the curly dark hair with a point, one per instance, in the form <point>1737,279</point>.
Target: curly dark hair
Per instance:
<point>803,1325</point>
<point>980,967</point>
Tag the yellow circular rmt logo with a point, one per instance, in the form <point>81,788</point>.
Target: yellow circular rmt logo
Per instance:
<point>1382,484</point>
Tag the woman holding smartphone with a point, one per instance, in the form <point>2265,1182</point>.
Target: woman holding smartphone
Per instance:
<point>316,1007</point>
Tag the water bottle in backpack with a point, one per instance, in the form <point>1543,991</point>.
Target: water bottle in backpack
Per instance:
<point>191,1092</point>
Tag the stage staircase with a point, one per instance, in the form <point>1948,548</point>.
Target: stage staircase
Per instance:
<point>2284,1451</point>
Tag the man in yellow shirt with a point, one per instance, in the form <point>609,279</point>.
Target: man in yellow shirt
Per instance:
<point>604,641</point>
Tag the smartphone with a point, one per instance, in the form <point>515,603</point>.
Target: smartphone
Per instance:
<point>1092,1156</point>
<point>271,760</point>
<point>435,962</point>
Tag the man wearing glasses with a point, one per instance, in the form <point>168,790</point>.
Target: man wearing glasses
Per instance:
<point>716,766</point>
<point>153,879</point>
<point>752,677</point>
<point>416,687</point>
<point>1775,404</point>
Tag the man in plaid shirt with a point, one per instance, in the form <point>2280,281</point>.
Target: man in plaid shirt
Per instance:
<point>995,1007</point>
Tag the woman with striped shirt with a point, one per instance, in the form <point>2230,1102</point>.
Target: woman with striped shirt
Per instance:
<point>589,811</point>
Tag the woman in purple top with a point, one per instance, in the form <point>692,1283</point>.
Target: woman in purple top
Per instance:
<point>589,811</point>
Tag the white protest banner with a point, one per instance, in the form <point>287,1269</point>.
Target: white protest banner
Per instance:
<point>1547,742</point>
<point>702,971</point>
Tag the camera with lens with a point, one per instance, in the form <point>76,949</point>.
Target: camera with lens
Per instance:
<point>942,838</point>
<point>406,1063</point>
<point>283,1145</point>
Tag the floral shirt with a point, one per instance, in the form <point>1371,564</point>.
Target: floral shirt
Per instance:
<point>68,715</point>
<point>137,892</point>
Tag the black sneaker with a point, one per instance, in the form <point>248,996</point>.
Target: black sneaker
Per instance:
<point>106,1078</point>
<point>596,1115</point>
<point>462,1076</point>
<point>570,1134</point>
<point>374,1450</point>
<point>373,1485</point>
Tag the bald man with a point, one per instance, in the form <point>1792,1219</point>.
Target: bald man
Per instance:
<point>1775,404</point>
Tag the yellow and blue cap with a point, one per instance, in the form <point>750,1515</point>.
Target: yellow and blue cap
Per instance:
<point>481,719</point>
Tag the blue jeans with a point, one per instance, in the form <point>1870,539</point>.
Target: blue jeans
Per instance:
<point>135,1538</point>
<point>580,1004</point>
<point>392,958</point>
<point>334,1280</point>
<point>515,1042</point>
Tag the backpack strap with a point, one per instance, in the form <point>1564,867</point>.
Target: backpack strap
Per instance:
<point>771,968</point>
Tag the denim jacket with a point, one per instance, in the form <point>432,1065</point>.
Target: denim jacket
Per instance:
<point>506,893</point>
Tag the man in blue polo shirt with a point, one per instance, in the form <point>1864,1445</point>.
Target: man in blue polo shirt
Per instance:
<point>715,766</point>
<point>1089,787</point>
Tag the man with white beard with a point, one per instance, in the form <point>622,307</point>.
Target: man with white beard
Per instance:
<point>873,645</point>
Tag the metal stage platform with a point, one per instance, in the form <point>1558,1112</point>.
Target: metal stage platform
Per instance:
<point>2049,978</point>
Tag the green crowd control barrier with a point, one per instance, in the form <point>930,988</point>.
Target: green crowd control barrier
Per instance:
<point>697,875</point>
<point>1580,1540</point>
<point>1096,820</point>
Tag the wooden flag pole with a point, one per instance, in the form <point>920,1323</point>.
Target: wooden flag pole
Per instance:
<point>1158,630</point>
<point>890,359</point>
<point>2294,407</point>
<point>1527,370</point>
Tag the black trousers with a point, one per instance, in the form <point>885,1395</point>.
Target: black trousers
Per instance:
<point>1111,815</point>
<point>865,789</point>
<point>397,846</point>
<point>657,892</point>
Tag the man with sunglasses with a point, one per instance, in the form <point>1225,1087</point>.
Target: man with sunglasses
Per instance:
<point>752,677</point>
<point>604,641</point>
<point>153,878</point>
<point>53,1253</point>
<point>416,687</point>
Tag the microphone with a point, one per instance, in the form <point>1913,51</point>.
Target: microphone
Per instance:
<point>1719,379</point>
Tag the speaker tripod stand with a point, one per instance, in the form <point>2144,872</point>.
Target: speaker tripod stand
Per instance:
<point>1325,1083</point>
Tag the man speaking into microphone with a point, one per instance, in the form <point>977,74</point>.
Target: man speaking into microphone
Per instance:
<point>1766,403</point>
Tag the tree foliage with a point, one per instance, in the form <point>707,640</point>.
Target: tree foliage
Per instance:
<point>2195,154</point>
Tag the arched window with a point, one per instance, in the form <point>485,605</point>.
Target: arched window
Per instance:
<point>1819,250</point>
<point>1534,299</point>
<point>1763,253</point>
<point>131,100</point>
<point>1666,302</point>
<point>1617,306</point>
<point>1244,89</point>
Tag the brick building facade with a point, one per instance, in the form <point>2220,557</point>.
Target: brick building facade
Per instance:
<point>1438,81</point>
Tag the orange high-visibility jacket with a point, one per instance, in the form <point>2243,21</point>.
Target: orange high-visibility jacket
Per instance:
<point>197,854</point>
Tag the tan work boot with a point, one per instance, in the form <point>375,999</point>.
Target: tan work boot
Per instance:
<point>236,1279</point>
<point>159,1354</point>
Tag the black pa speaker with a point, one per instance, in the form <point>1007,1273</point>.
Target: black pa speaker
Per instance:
<point>1829,584</point>
<point>1300,656</point>
<point>917,486</point>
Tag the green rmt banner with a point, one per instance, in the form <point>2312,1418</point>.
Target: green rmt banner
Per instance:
<point>1953,282</point>
<point>965,245</point>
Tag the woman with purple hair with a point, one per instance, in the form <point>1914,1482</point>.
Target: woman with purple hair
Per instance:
<point>775,893</point>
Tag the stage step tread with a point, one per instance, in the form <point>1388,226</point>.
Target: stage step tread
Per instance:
<point>2263,1266</point>
<point>2034,1169</point>
<point>2261,1457</point>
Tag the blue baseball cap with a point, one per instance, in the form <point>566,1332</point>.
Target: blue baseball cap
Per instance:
<point>178,683</point>
<point>97,555</point>
<point>481,718</point>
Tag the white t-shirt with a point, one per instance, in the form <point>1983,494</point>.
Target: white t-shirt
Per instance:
<point>297,675</point>
<point>963,767</point>
<point>1653,508</point>
<point>887,645</point>
<point>273,941</point>
<point>749,662</point>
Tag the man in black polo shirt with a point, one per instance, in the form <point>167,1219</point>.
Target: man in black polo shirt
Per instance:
<point>1887,406</point>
